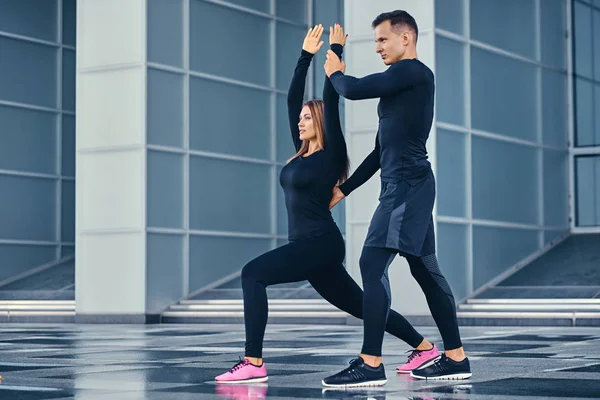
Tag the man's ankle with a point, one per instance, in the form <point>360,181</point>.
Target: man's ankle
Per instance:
<point>371,361</point>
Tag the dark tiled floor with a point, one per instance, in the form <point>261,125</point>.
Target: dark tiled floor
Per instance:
<point>179,362</point>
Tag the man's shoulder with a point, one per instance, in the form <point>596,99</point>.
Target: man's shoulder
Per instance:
<point>413,65</point>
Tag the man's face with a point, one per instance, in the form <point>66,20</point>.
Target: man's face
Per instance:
<point>391,43</point>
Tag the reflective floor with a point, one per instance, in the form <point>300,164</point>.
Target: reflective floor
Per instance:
<point>179,362</point>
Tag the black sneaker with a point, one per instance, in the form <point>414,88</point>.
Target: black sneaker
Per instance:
<point>445,368</point>
<point>357,374</point>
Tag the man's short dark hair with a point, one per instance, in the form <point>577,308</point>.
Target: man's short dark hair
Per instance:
<point>397,19</point>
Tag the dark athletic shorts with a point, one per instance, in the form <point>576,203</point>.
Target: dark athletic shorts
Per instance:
<point>403,220</point>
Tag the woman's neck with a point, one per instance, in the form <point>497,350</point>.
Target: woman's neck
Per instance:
<point>313,146</point>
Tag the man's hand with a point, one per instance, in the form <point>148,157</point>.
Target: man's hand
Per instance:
<point>336,198</point>
<point>336,35</point>
<point>333,63</point>
<point>312,42</point>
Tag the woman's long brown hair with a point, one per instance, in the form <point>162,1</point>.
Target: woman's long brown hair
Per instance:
<point>316,108</point>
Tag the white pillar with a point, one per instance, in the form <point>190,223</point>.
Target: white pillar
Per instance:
<point>111,161</point>
<point>361,127</point>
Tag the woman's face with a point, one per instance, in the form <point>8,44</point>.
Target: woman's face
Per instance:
<point>305,124</point>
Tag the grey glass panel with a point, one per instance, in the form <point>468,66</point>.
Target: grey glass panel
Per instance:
<point>451,173</point>
<point>554,108</point>
<point>583,39</point>
<point>69,22</point>
<point>27,140</point>
<point>450,81</point>
<point>259,5</point>
<point>164,274</point>
<point>503,95</point>
<point>27,208</point>
<point>230,119</point>
<point>587,174</point>
<point>550,236</point>
<point>584,112</point>
<point>67,251</point>
<point>452,254</point>
<point>68,80</point>
<point>449,15</point>
<point>505,179</point>
<point>339,216</point>
<point>327,12</point>
<point>508,24</point>
<point>556,188</point>
<point>32,18</point>
<point>293,10</point>
<point>165,32</point>
<point>597,187</point>
<point>496,249</point>
<point>230,195</point>
<point>282,218</point>
<point>165,108</point>
<point>596,33</point>
<point>212,258</point>
<point>553,38</point>
<point>16,259</point>
<point>285,145</point>
<point>165,190</point>
<point>597,114</point>
<point>68,211</point>
<point>28,72</point>
<point>68,145</point>
<point>248,60</point>
<point>289,41</point>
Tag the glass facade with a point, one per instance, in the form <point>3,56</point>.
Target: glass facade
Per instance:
<point>217,128</point>
<point>217,132</point>
<point>586,77</point>
<point>502,134</point>
<point>37,133</point>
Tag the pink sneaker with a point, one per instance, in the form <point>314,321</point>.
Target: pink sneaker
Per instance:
<point>419,359</point>
<point>244,372</point>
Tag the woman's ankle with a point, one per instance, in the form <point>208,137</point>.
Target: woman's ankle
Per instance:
<point>257,362</point>
<point>425,345</point>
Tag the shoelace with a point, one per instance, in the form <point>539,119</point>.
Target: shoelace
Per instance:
<point>239,365</point>
<point>353,364</point>
<point>352,369</point>
<point>413,354</point>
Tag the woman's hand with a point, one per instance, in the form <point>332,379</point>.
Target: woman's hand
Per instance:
<point>336,35</point>
<point>312,42</point>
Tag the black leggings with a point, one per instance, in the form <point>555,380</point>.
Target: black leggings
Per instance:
<point>318,260</point>
<point>374,264</point>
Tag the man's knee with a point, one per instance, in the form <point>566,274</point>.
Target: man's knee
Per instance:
<point>371,268</point>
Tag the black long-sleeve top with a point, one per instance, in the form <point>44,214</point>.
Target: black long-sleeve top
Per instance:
<point>308,181</point>
<point>406,91</point>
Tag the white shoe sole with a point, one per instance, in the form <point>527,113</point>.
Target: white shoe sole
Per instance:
<point>361,384</point>
<point>253,380</point>
<point>464,375</point>
<point>425,365</point>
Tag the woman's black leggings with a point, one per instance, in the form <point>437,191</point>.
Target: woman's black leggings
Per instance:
<point>318,260</point>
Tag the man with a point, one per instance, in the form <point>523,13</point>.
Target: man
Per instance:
<point>402,223</point>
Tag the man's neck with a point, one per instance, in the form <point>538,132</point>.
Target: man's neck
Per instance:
<point>409,54</point>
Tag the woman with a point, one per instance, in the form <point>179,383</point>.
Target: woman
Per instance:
<point>316,250</point>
